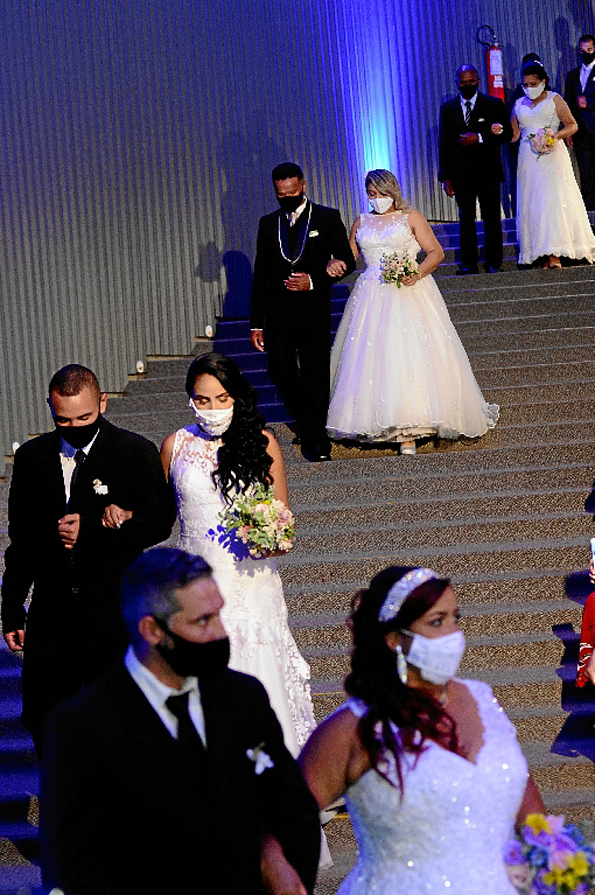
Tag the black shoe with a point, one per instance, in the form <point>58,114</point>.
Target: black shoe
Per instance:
<point>493,269</point>
<point>464,271</point>
<point>317,455</point>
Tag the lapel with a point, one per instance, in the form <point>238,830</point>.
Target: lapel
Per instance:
<point>304,225</point>
<point>50,472</point>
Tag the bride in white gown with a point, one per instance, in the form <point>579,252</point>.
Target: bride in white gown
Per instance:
<point>432,772</point>
<point>551,217</point>
<point>399,371</point>
<point>223,450</point>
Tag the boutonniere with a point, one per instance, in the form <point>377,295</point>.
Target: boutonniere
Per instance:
<point>480,120</point>
<point>313,233</point>
<point>99,487</point>
<point>261,760</point>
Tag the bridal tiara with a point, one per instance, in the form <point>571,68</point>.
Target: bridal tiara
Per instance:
<point>401,590</point>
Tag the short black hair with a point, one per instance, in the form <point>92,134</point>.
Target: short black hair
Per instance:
<point>150,582</point>
<point>72,379</point>
<point>585,38</point>
<point>286,170</point>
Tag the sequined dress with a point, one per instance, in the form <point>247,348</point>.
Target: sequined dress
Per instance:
<point>449,832</point>
<point>254,613</point>
<point>398,368</point>
<point>551,214</point>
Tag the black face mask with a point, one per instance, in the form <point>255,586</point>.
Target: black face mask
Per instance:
<point>290,203</point>
<point>468,91</point>
<point>190,659</point>
<point>79,436</point>
<point>585,57</point>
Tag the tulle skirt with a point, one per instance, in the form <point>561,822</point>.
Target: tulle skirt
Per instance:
<point>399,370</point>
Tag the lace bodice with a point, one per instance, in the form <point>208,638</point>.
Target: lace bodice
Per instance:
<point>449,831</point>
<point>378,234</point>
<point>530,119</point>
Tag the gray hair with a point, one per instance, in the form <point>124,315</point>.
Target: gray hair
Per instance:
<point>387,184</point>
<point>150,582</point>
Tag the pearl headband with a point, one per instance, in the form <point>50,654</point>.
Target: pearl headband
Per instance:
<point>401,590</point>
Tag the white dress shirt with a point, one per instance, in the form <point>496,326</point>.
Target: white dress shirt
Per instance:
<point>464,102</point>
<point>67,452</point>
<point>586,73</point>
<point>158,693</point>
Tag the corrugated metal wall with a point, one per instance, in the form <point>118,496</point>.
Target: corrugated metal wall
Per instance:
<point>138,136</point>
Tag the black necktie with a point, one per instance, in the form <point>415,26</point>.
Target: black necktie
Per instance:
<point>467,111</point>
<point>188,736</point>
<point>79,458</point>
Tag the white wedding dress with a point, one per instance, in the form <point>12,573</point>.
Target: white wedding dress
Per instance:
<point>254,613</point>
<point>551,214</point>
<point>449,832</point>
<point>398,368</point>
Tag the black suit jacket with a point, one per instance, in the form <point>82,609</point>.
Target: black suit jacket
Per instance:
<point>120,813</point>
<point>129,466</point>
<point>464,164</point>
<point>585,118</point>
<point>325,237</point>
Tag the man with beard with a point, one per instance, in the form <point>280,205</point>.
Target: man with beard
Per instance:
<point>290,313</point>
<point>473,126</point>
<point>170,773</point>
<point>580,96</point>
<point>84,500</point>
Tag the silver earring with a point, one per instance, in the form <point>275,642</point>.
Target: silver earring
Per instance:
<point>401,665</point>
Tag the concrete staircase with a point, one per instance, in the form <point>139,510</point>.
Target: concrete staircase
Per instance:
<point>504,518</point>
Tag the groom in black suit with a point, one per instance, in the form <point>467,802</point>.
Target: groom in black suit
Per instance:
<point>291,302</point>
<point>580,96</point>
<point>169,774</point>
<point>84,500</point>
<point>473,126</point>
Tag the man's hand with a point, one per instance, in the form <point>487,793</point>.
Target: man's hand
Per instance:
<point>448,188</point>
<point>114,516</point>
<point>257,339</point>
<point>468,139</point>
<point>581,101</point>
<point>15,640</point>
<point>496,128</point>
<point>68,529</point>
<point>298,282</point>
<point>278,876</point>
<point>336,267</point>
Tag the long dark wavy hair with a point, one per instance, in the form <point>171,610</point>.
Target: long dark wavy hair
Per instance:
<point>415,714</point>
<point>242,458</point>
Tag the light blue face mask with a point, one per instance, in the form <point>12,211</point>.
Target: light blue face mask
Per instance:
<point>437,658</point>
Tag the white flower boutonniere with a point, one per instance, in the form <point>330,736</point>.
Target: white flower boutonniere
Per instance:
<point>99,487</point>
<point>261,760</point>
<point>313,233</point>
<point>480,120</point>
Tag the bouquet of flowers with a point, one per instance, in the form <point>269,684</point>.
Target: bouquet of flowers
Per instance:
<point>262,523</point>
<point>549,857</point>
<point>543,141</point>
<point>395,267</point>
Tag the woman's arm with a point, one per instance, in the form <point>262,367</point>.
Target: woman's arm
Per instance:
<point>566,117</point>
<point>166,452</point>
<point>333,757</point>
<point>516,131</point>
<point>352,242</point>
<point>427,240</point>
<point>277,469</point>
<point>532,802</point>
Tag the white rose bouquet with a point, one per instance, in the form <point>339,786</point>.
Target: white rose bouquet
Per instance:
<point>395,267</point>
<point>265,525</point>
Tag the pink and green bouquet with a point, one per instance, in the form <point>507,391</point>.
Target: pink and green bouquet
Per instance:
<point>395,267</point>
<point>543,142</point>
<point>263,524</point>
<point>549,857</point>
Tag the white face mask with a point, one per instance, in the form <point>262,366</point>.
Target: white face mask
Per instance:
<point>437,658</point>
<point>534,92</point>
<point>213,422</point>
<point>381,204</point>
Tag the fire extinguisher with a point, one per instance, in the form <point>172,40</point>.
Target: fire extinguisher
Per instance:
<point>494,60</point>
